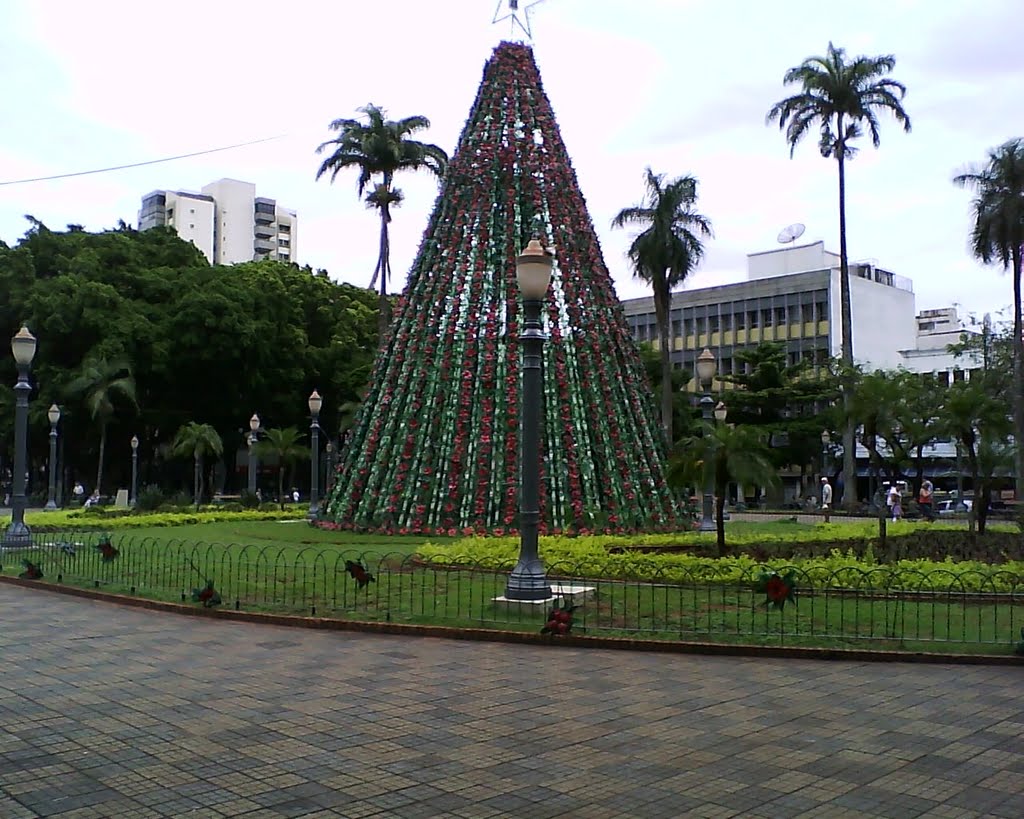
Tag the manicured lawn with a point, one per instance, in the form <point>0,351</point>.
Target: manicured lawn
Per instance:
<point>299,533</point>
<point>295,535</point>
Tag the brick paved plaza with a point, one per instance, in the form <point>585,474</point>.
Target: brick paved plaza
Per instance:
<point>107,711</point>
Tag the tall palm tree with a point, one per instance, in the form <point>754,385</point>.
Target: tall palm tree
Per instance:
<point>282,444</point>
<point>380,147</point>
<point>197,441</point>
<point>840,97</point>
<point>97,386</point>
<point>998,236</point>
<point>664,254</point>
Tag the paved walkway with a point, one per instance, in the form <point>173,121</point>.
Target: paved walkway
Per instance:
<point>109,712</point>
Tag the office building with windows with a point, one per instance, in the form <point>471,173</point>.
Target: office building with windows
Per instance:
<point>226,221</point>
<point>791,296</point>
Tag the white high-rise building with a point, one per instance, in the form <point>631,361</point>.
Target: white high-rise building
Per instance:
<point>226,221</point>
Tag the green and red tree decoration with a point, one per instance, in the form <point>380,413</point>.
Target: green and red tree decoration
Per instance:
<point>436,446</point>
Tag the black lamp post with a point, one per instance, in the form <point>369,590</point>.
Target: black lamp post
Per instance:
<point>721,413</point>
<point>135,472</point>
<point>254,425</point>
<point>53,414</point>
<point>315,403</point>
<point>528,582</point>
<point>23,346</point>
<point>706,373</point>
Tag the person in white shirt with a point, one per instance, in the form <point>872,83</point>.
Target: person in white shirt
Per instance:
<point>826,499</point>
<point>894,500</point>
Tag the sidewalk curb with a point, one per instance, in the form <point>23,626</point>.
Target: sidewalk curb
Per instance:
<point>519,637</point>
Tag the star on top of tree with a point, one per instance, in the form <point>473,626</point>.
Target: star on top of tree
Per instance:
<point>515,7</point>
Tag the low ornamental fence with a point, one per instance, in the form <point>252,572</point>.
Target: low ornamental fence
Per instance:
<point>882,606</point>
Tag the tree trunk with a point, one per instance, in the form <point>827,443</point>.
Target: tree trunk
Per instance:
<point>280,483</point>
<point>103,450</point>
<point>981,500</point>
<point>846,319</point>
<point>1018,377</point>
<point>197,480</point>
<point>720,518</point>
<point>972,515</point>
<point>384,264</point>
<point>664,326</point>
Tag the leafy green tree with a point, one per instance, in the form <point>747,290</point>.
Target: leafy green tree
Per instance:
<point>284,446</point>
<point>997,236</point>
<point>840,97</point>
<point>664,254</point>
<point>97,387</point>
<point>899,415</point>
<point>197,441</point>
<point>203,342</point>
<point>720,455</point>
<point>380,147</point>
<point>790,404</point>
<point>980,424</point>
<point>684,416</point>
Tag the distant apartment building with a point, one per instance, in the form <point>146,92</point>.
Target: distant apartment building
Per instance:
<point>226,221</point>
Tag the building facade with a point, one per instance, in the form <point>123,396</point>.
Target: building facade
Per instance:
<point>226,221</point>
<point>791,296</point>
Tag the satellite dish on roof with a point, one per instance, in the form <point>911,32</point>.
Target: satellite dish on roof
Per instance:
<point>790,234</point>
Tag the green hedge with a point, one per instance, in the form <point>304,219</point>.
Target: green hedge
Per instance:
<point>589,557</point>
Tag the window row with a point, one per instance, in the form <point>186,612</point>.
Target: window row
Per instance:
<point>749,319</point>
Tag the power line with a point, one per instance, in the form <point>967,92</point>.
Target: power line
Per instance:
<point>139,164</point>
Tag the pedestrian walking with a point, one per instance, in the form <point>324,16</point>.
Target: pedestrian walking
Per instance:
<point>894,500</point>
<point>826,499</point>
<point>925,500</point>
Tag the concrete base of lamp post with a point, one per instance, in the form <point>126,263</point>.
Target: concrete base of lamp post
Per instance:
<point>560,595</point>
<point>17,536</point>
<point>528,581</point>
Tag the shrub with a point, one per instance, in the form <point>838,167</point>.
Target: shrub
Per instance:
<point>150,498</point>
<point>249,500</point>
<point>836,570</point>
<point>180,499</point>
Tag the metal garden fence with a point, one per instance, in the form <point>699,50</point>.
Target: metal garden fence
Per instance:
<point>884,607</point>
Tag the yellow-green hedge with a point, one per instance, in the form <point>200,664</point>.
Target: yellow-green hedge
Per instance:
<point>78,519</point>
<point>589,557</point>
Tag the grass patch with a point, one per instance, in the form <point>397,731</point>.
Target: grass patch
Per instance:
<point>260,572</point>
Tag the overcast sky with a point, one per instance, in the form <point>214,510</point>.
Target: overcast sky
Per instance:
<point>680,85</point>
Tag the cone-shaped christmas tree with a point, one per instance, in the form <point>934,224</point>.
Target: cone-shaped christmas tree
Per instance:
<point>436,446</point>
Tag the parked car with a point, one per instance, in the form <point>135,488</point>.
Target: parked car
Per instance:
<point>951,507</point>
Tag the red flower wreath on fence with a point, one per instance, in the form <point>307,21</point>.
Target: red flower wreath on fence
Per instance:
<point>778,589</point>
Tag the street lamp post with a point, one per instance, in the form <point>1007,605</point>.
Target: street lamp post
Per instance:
<point>53,413</point>
<point>254,425</point>
<point>528,582</point>
<point>23,346</point>
<point>721,413</point>
<point>706,374</point>
<point>315,403</point>
<point>135,472</point>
